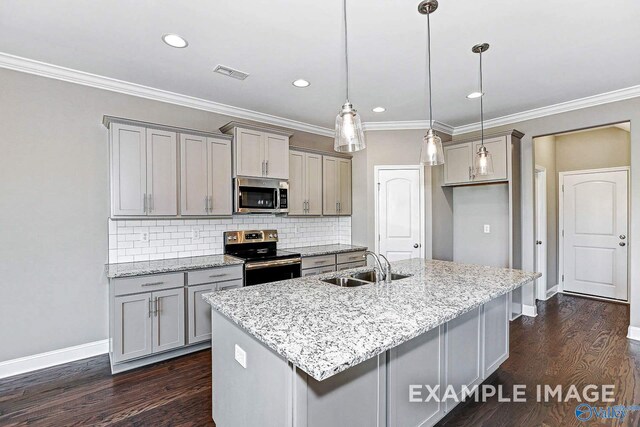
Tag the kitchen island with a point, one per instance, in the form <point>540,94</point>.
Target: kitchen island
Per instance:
<point>303,352</point>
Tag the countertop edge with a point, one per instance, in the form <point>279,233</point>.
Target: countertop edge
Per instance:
<point>176,269</point>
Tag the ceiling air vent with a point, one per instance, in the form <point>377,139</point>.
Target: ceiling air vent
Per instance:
<point>230,72</point>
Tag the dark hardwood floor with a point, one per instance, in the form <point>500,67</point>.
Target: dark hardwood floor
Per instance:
<point>572,341</point>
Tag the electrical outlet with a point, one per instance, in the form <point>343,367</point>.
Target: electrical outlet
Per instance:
<point>195,233</point>
<point>144,236</point>
<point>241,356</point>
<point>487,228</point>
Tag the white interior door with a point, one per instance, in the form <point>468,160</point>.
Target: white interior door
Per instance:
<point>541,232</point>
<point>399,213</point>
<point>594,219</point>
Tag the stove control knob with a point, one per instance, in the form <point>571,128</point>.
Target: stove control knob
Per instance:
<point>275,236</point>
<point>271,236</point>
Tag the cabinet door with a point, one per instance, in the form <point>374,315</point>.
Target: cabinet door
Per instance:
<point>276,156</point>
<point>193,175</point>
<point>199,312</point>
<point>313,183</point>
<point>297,184</point>
<point>497,147</point>
<point>318,270</point>
<point>344,199</point>
<point>329,185</point>
<point>168,324</point>
<point>249,154</point>
<point>496,333</point>
<point>128,170</point>
<point>162,172</point>
<point>219,176</point>
<point>132,331</point>
<point>457,163</point>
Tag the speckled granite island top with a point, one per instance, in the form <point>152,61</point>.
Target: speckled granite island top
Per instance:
<point>307,251</point>
<point>128,269</point>
<point>325,329</point>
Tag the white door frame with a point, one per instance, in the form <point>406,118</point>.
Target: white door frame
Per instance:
<point>541,224</point>
<point>425,203</point>
<point>561,176</point>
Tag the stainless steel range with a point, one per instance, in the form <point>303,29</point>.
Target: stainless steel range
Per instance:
<point>264,262</point>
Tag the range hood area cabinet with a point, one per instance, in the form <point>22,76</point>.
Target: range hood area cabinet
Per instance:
<point>165,171</point>
<point>305,183</point>
<point>336,186</point>
<point>259,152</point>
<point>143,166</point>
<point>205,176</point>
<point>459,160</point>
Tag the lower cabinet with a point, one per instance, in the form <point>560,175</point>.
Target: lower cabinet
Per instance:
<point>148,323</point>
<point>318,270</point>
<point>329,263</point>
<point>199,311</point>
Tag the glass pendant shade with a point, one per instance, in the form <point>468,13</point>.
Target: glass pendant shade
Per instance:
<point>484,162</point>
<point>431,153</point>
<point>349,136</point>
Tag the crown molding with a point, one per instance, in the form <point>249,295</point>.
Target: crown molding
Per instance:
<point>43,69</point>
<point>563,107</point>
<point>408,125</point>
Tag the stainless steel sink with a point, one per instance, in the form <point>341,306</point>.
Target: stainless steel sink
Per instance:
<point>372,276</point>
<point>346,282</point>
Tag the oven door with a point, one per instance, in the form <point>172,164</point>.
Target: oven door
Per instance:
<point>257,195</point>
<point>259,272</point>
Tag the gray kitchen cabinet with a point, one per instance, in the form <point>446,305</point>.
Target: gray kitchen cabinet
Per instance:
<point>205,172</point>
<point>496,333</point>
<point>305,183</point>
<point>497,147</point>
<point>318,270</point>
<point>349,265</point>
<point>132,334</point>
<point>143,171</point>
<point>258,151</point>
<point>168,320</point>
<point>459,161</point>
<point>333,262</point>
<point>336,186</point>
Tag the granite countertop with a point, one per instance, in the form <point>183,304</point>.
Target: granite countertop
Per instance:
<point>128,269</point>
<point>307,251</point>
<point>325,329</point>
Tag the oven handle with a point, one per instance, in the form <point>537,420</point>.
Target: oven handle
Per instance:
<point>269,264</point>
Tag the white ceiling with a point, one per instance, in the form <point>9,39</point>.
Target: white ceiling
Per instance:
<point>542,52</point>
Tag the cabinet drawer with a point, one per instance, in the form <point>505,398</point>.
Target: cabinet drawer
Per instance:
<point>318,270</point>
<point>212,275</point>
<point>231,284</point>
<point>350,257</point>
<point>318,261</point>
<point>349,265</point>
<point>156,282</point>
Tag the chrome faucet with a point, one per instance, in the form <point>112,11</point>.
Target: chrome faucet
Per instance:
<point>380,269</point>
<point>387,270</point>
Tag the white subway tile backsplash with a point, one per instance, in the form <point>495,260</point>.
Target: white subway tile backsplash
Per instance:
<point>172,238</point>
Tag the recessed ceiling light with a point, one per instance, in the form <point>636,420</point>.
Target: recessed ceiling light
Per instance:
<point>301,83</point>
<point>474,95</point>
<point>379,110</point>
<point>175,40</point>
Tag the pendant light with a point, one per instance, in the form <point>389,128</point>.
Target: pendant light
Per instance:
<point>349,135</point>
<point>483,163</point>
<point>431,153</point>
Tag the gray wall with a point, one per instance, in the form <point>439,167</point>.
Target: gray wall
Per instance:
<point>473,207</point>
<point>398,148</point>
<point>54,206</point>
<point>615,112</point>
<point>592,149</point>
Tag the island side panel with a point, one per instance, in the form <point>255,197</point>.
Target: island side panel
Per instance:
<point>258,395</point>
<point>352,398</point>
<point>496,333</point>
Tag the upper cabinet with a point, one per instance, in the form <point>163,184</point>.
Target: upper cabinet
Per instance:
<point>459,161</point>
<point>305,183</point>
<point>336,186</point>
<point>259,152</point>
<point>143,165</point>
<point>144,170</point>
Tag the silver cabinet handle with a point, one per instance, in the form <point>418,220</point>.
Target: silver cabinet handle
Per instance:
<point>150,203</point>
<point>622,237</point>
<point>206,204</point>
<point>157,303</point>
<point>213,276</point>
<point>336,207</point>
<point>144,203</point>
<point>152,284</point>
<point>210,204</point>
<point>263,174</point>
<point>150,309</point>
<point>266,168</point>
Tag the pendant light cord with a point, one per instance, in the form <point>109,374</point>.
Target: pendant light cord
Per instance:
<point>346,45</point>
<point>429,70</point>
<point>481,105</point>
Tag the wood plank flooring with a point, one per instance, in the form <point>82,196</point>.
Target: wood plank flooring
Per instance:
<point>572,341</point>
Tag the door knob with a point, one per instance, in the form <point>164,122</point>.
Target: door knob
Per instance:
<point>622,244</point>
<point>415,245</point>
<point>622,236</point>
<point>538,242</point>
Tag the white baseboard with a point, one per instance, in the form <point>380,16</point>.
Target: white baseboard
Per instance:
<point>52,358</point>
<point>634,333</point>
<point>551,292</point>
<point>529,310</point>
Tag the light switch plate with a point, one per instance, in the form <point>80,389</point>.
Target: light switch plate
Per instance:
<point>241,356</point>
<point>195,234</point>
<point>487,228</point>
<point>144,236</point>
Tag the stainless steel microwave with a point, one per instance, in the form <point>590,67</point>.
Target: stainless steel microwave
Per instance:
<point>260,195</point>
